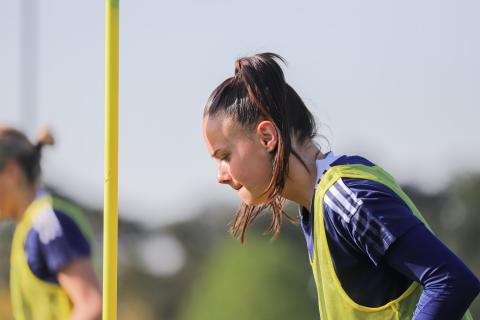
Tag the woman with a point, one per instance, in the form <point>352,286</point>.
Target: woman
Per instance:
<point>51,275</point>
<point>372,254</point>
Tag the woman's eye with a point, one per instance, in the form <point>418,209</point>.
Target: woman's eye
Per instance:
<point>225,158</point>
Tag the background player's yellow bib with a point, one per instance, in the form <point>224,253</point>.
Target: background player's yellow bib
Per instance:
<point>334,302</point>
<point>33,298</point>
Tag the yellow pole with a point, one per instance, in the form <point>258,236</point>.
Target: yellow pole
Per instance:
<point>110,200</point>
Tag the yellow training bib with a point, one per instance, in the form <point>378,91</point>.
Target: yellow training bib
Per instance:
<point>334,302</point>
<point>33,298</point>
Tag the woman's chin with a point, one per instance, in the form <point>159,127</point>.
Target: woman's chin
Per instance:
<point>248,199</point>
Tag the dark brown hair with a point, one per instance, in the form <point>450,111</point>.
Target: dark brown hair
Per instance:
<point>14,145</point>
<point>258,91</point>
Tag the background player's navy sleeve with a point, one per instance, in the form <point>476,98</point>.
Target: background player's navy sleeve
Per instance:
<point>449,286</point>
<point>368,215</point>
<point>54,242</point>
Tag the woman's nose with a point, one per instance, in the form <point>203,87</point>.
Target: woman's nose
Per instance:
<point>223,176</point>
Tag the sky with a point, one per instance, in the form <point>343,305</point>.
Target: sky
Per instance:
<point>395,81</point>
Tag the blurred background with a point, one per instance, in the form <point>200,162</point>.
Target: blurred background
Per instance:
<point>396,82</point>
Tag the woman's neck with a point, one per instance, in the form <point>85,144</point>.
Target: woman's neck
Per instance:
<point>300,181</point>
<point>23,201</point>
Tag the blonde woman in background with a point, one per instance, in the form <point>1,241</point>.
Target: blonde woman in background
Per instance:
<point>51,275</point>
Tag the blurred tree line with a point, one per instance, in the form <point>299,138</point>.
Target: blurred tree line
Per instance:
<point>195,271</point>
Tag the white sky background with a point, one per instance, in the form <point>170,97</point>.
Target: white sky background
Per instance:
<point>397,82</point>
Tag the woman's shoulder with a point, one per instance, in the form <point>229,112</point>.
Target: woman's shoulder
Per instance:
<point>55,217</point>
<point>354,159</point>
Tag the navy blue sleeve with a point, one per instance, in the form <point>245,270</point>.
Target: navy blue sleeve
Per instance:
<point>54,242</point>
<point>449,286</point>
<point>368,215</point>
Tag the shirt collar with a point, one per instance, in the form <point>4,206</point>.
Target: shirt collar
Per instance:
<point>41,193</point>
<point>324,164</point>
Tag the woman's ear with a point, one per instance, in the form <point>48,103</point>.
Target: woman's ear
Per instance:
<point>268,134</point>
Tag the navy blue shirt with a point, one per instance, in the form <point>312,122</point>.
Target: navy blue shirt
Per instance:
<point>364,223</point>
<point>54,242</point>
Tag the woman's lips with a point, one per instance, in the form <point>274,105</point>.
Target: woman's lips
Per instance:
<point>237,187</point>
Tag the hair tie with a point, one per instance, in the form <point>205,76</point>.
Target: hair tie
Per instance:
<point>238,67</point>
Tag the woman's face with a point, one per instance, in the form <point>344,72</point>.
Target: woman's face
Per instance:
<point>6,186</point>
<point>244,159</point>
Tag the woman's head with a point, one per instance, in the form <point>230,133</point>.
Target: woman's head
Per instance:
<point>251,122</point>
<point>19,165</point>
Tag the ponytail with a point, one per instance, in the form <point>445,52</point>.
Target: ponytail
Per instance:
<point>258,91</point>
<point>44,137</point>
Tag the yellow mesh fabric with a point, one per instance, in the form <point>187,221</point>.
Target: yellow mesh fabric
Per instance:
<point>334,303</point>
<point>33,298</point>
